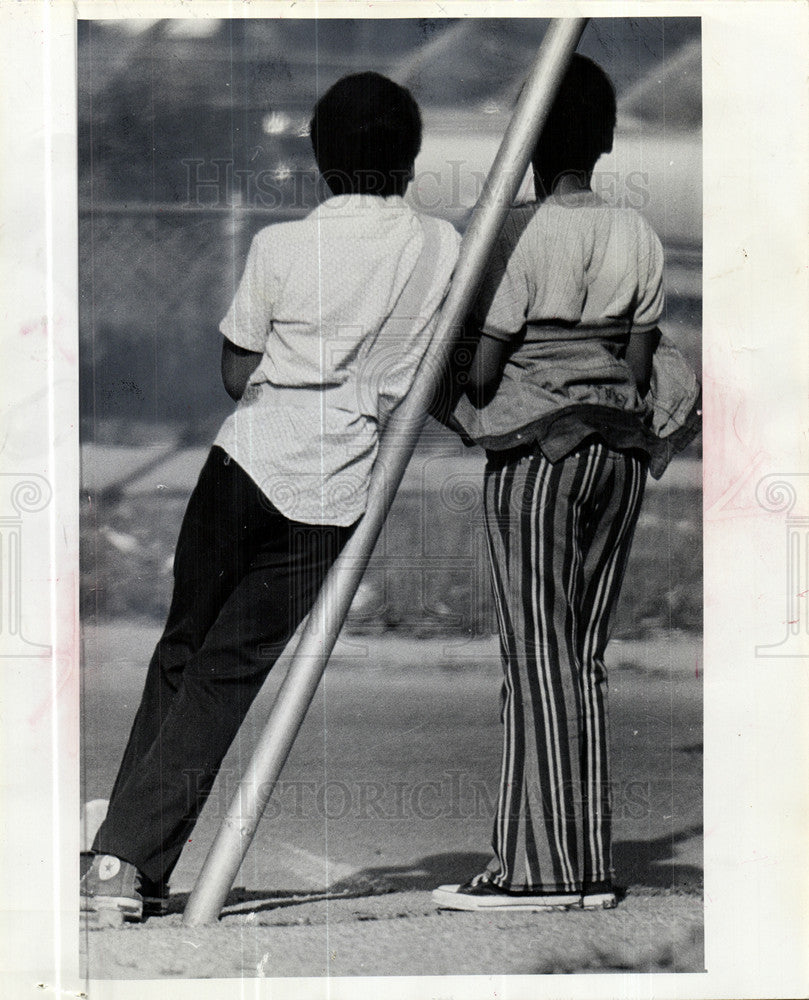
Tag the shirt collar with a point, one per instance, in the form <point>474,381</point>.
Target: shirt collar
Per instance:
<point>350,204</point>
<point>573,199</point>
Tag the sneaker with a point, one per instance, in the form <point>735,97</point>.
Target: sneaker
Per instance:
<point>155,894</point>
<point>110,888</point>
<point>601,896</point>
<point>480,893</point>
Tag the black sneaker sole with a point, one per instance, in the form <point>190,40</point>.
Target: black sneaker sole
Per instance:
<point>155,906</point>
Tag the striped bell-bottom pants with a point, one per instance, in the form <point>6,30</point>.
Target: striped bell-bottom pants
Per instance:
<point>559,535</point>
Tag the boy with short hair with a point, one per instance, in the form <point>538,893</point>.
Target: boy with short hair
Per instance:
<point>574,395</point>
<point>327,328</point>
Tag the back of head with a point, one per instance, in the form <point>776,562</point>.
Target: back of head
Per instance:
<point>366,134</point>
<point>579,128</point>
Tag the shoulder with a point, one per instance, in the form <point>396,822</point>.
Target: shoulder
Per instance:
<point>522,219</point>
<point>623,233</point>
<point>445,229</point>
<point>632,222</point>
<point>522,228</point>
<point>288,231</point>
<point>277,246</point>
<point>650,256</point>
<point>447,237</point>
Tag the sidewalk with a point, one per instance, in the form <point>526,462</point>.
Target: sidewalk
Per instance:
<point>403,934</point>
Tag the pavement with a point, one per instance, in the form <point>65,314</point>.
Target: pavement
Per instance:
<point>404,935</point>
<point>388,792</point>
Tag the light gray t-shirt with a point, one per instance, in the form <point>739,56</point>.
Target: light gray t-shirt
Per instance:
<point>572,259</point>
<point>567,281</point>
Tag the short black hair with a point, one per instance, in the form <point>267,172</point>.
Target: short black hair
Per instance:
<point>366,134</point>
<point>579,128</point>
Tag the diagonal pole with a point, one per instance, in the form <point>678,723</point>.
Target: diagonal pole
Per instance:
<point>331,607</point>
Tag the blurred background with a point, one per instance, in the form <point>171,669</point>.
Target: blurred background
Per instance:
<point>193,135</point>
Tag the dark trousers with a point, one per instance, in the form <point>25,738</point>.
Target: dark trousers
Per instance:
<point>244,578</point>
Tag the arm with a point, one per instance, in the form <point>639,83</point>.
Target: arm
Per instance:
<point>247,323</point>
<point>645,335</point>
<point>455,377</point>
<point>639,352</point>
<point>238,365</point>
<point>486,370</point>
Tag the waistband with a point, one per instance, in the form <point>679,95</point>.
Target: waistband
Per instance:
<point>538,332</point>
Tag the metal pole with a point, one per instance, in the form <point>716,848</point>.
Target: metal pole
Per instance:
<point>328,614</point>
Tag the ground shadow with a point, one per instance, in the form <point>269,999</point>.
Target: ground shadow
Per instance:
<point>424,874</point>
<point>640,863</point>
<point>651,863</point>
<point>241,900</point>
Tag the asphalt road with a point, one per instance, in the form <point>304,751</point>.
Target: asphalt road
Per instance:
<point>389,791</point>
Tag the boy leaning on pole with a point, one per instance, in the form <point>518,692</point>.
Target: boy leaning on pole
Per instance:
<point>328,326</point>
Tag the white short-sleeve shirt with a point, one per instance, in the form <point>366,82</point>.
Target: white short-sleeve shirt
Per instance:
<point>319,299</point>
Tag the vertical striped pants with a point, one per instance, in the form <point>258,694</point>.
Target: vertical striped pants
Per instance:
<point>559,536</point>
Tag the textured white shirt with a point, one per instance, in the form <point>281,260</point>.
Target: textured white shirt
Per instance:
<point>342,306</point>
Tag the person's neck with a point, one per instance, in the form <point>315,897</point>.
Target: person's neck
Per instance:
<point>572,184</point>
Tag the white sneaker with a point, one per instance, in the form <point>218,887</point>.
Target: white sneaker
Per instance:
<point>602,897</point>
<point>480,893</point>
